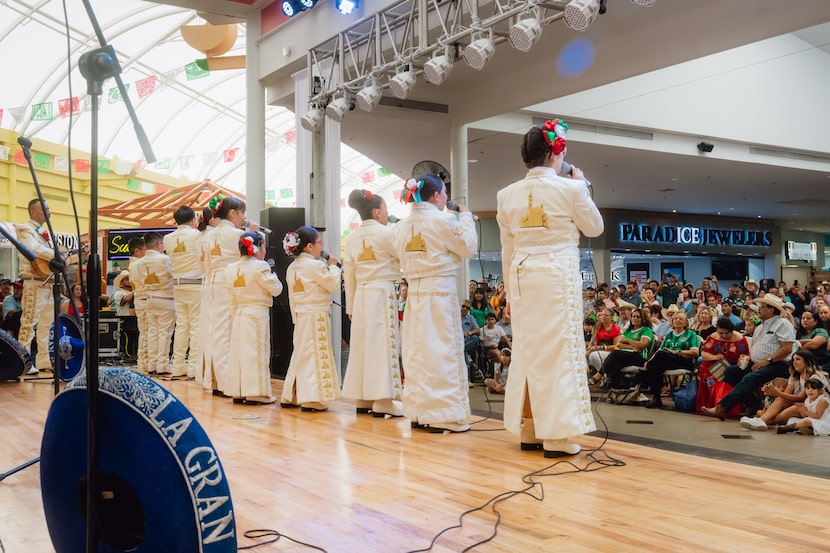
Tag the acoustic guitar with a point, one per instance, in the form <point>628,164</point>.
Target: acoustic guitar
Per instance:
<point>40,266</point>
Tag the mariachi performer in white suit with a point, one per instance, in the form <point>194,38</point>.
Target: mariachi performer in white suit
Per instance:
<point>207,222</point>
<point>370,269</point>
<point>312,379</point>
<point>540,219</point>
<point>432,244</point>
<point>252,288</point>
<point>37,301</point>
<point>223,246</point>
<point>180,246</point>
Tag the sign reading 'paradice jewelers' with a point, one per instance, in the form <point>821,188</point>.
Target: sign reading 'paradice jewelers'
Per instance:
<point>694,236</point>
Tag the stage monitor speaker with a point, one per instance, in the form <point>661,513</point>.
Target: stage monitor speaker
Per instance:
<point>281,220</point>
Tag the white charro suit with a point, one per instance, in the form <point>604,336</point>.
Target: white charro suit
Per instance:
<point>181,246</point>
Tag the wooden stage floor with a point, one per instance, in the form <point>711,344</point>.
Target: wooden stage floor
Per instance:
<point>353,483</point>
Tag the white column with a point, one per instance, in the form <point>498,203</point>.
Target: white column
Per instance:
<point>304,140</point>
<point>255,124</point>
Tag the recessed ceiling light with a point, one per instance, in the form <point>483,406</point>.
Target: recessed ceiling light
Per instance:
<point>759,216</point>
<point>731,209</point>
<point>674,211</point>
<point>675,179</point>
<point>472,161</point>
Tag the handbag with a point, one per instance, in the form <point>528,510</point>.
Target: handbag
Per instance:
<point>685,397</point>
<point>718,370</point>
<point>625,396</point>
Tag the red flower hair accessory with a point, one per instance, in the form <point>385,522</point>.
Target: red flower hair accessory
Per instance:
<point>413,189</point>
<point>554,133</point>
<point>368,195</point>
<point>248,242</point>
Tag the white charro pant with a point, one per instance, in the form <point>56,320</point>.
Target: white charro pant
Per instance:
<point>37,307</point>
<point>188,308</point>
<point>161,317</point>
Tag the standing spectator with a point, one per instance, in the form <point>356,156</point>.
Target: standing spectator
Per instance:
<point>153,276</point>
<point>123,295</point>
<point>540,220</point>
<point>669,289</point>
<point>180,246</point>
<point>632,292</point>
<point>37,298</point>
<point>312,380</point>
<point>432,245</point>
<point>770,351</point>
<point>370,267</point>
<point>798,299</point>
<point>252,288</point>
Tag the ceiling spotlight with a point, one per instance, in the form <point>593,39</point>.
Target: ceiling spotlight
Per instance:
<point>337,108</point>
<point>346,7</point>
<point>311,119</point>
<point>402,84</point>
<point>705,147</point>
<point>368,98</point>
<point>308,4</point>
<point>579,14</point>
<point>438,69</point>
<point>478,53</point>
<point>290,8</point>
<point>643,3</point>
<point>525,33</point>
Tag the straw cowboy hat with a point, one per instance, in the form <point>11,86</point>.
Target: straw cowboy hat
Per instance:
<point>116,283</point>
<point>622,304</point>
<point>771,300</point>
<point>672,309</point>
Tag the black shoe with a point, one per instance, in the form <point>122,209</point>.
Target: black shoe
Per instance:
<point>288,405</point>
<point>363,410</point>
<point>239,400</point>
<point>654,402</point>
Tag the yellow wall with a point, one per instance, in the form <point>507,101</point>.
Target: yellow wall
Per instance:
<point>17,187</point>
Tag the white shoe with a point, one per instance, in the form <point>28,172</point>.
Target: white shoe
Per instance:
<point>560,448</point>
<point>754,423</point>
<point>437,427</point>
<point>33,370</point>
<point>529,441</point>
<point>383,407</point>
<point>260,400</point>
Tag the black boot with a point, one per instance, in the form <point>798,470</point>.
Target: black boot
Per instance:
<point>655,401</point>
<point>785,429</point>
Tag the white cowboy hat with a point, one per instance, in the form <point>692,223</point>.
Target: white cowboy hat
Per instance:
<point>116,283</point>
<point>622,304</point>
<point>771,300</point>
<point>668,311</point>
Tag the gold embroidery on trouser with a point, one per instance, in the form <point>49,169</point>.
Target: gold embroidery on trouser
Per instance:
<point>323,359</point>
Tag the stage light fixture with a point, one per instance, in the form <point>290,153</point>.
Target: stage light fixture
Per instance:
<point>438,69</point>
<point>402,84</point>
<point>290,8</point>
<point>705,147</point>
<point>307,4</point>
<point>525,33</point>
<point>311,119</point>
<point>337,108</point>
<point>368,98</point>
<point>643,3</point>
<point>346,7</point>
<point>477,54</point>
<point>579,14</point>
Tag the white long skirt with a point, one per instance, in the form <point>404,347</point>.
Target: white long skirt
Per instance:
<point>249,368</point>
<point>218,342</point>
<point>435,389</point>
<point>374,370</point>
<point>312,373</point>
<point>548,348</point>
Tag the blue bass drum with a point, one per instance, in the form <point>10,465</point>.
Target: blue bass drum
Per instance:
<point>161,485</point>
<point>14,359</point>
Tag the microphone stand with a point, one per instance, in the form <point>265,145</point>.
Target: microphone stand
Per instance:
<point>96,66</point>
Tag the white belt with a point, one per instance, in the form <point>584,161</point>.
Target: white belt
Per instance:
<point>177,281</point>
<point>555,248</point>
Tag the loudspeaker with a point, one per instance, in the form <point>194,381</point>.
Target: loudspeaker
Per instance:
<point>281,220</point>
<point>705,147</point>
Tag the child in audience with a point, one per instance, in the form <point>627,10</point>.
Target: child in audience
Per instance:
<point>780,384</point>
<point>499,381</point>
<point>816,416</point>
<point>491,335</point>
<point>588,329</point>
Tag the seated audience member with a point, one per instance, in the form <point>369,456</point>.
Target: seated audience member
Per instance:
<point>784,404</point>
<point>503,322</point>
<point>12,309</point>
<point>499,300</point>
<point>499,381</point>
<point>822,293</point>
<point>588,329</point>
<point>473,286</point>
<point>813,415</point>
<point>685,303</point>
<point>647,297</point>
<point>736,295</point>
<point>728,309</point>
<point>679,350</point>
<point>5,288</point>
<point>814,338</point>
<point>770,351</point>
<point>751,288</point>
<point>76,303</point>
<point>725,345</point>
<point>624,318</point>
<point>606,336</point>
<point>661,320</point>
<point>713,301</point>
<point>479,308</point>
<point>699,297</point>
<point>632,350</point>
<point>824,316</point>
<point>491,335</point>
<point>702,323</point>
<point>470,328</point>
<point>632,292</point>
<point>589,300</point>
<point>780,384</point>
<point>602,296</point>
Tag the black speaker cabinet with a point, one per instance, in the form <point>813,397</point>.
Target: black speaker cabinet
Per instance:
<point>281,220</point>
<point>109,335</point>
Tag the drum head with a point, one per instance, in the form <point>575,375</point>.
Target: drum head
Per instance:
<point>70,347</point>
<point>162,487</point>
<point>14,359</point>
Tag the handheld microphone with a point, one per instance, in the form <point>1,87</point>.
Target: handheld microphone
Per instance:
<point>453,206</point>
<point>263,229</point>
<point>392,219</point>
<point>324,255</point>
<point>568,170</point>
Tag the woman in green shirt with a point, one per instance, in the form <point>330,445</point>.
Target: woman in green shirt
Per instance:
<point>631,349</point>
<point>679,350</point>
